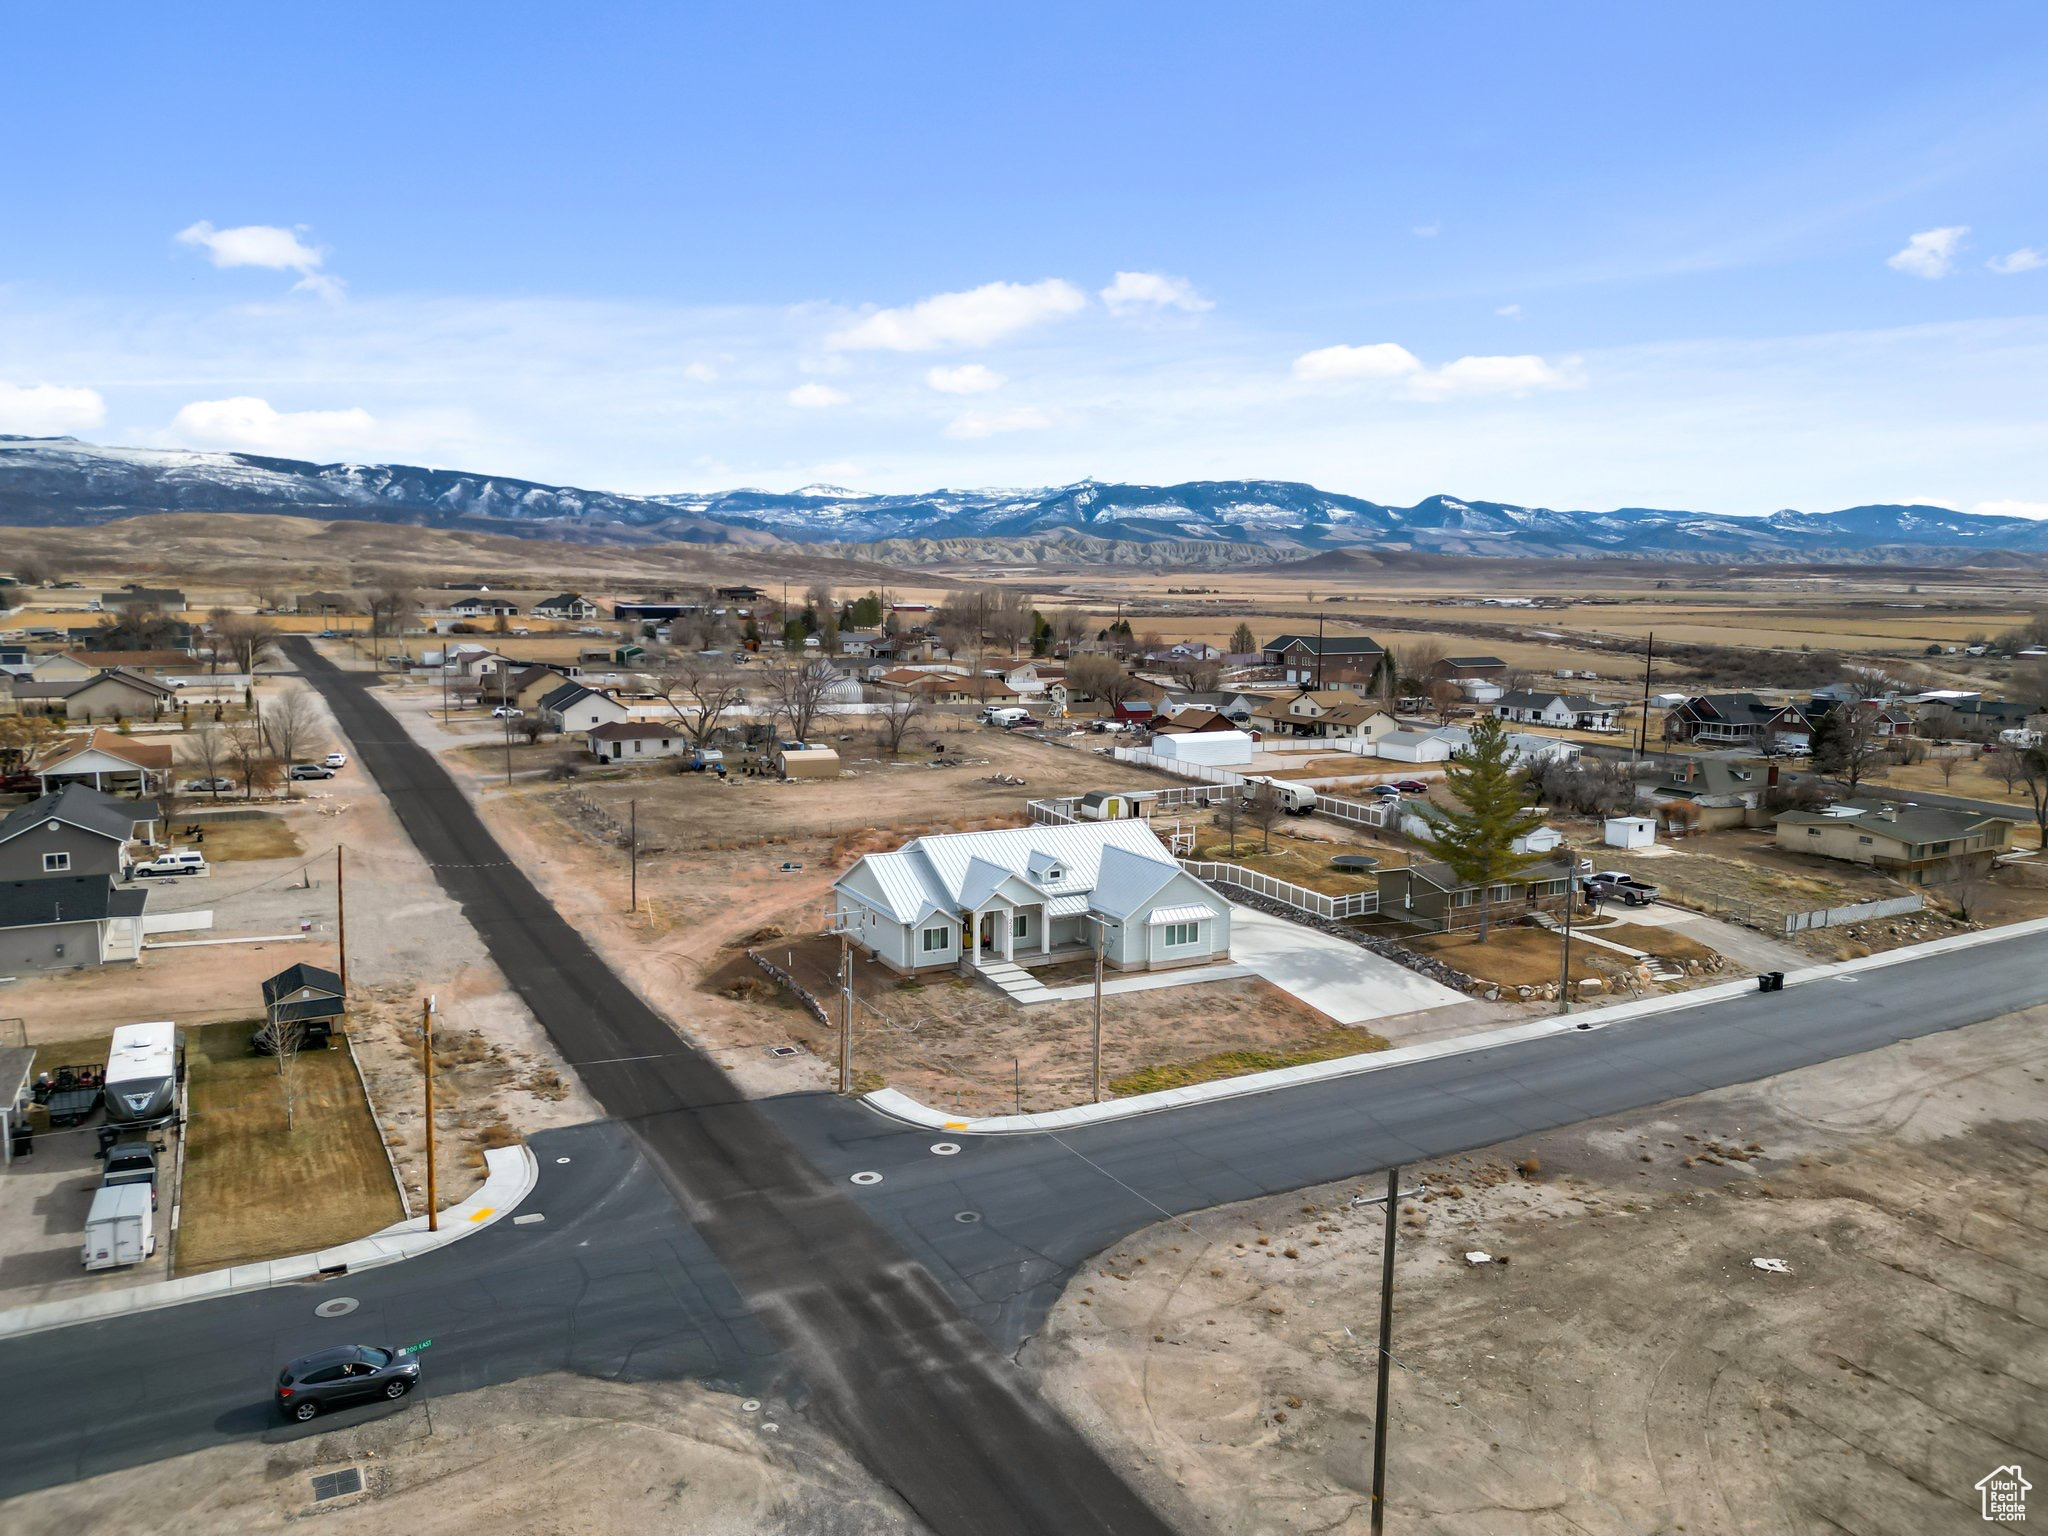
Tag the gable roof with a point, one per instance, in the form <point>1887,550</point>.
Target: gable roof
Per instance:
<point>1897,822</point>
<point>635,730</point>
<point>1540,698</point>
<point>1328,645</point>
<point>561,600</point>
<point>1473,661</point>
<point>78,805</point>
<point>951,871</point>
<point>66,899</point>
<point>155,756</point>
<point>567,694</point>
<point>293,977</point>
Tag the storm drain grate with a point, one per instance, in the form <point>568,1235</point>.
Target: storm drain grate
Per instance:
<point>782,1050</point>
<point>335,1485</point>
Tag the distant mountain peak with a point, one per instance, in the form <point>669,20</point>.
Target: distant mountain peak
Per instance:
<point>63,482</point>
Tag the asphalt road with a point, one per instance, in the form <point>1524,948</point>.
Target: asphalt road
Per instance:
<point>887,1359</point>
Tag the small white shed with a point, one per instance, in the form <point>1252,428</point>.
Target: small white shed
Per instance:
<point>1631,831</point>
<point>1542,840</point>
<point>1415,746</point>
<point>1215,749</point>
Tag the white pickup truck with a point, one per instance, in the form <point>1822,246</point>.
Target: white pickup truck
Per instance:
<point>178,861</point>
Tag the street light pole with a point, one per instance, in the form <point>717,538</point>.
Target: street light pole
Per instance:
<point>427,1046</point>
<point>1096,1052</point>
<point>633,853</point>
<point>1379,1417</point>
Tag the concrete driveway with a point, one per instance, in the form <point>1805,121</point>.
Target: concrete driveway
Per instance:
<point>1346,981</point>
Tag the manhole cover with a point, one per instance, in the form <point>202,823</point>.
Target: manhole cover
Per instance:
<point>340,1306</point>
<point>945,1148</point>
<point>867,1178</point>
<point>782,1050</point>
<point>335,1485</point>
<point>561,1159</point>
<point>751,1405</point>
<point>967,1218</point>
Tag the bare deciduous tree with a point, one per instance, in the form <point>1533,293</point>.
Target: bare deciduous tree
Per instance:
<point>1070,625</point>
<point>894,719</point>
<point>242,639</point>
<point>802,692</point>
<point>250,752</point>
<point>393,604</point>
<point>1413,661</point>
<point>33,570</point>
<point>1229,815</point>
<point>1262,808</point>
<point>295,726</point>
<point>700,690</point>
<point>206,748</point>
<point>283,1038</point>
<point>1101,677</point>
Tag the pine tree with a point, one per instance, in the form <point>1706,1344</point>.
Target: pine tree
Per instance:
<point>1242,641</point>
<point>1477,839</point>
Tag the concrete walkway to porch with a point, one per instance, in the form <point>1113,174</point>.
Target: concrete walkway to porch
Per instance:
<point>1026,990</point>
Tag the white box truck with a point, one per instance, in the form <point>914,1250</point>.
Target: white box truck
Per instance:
<point>120,1229</point>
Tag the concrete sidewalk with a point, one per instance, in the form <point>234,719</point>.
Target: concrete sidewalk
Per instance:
<point>511,1177</point>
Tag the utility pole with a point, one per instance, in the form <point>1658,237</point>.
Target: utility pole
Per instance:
<point>507,720</point>
<point>1571,902</point>
<point>1319,653</point>
<point>633,851</point>
<point>1379,1417</point>
<point>341,922</point>
<point>444,682</point>
<point>427,1046</point>
<point>845,1013</point>
<point>1097,1048</point>
<point>1643,725</point>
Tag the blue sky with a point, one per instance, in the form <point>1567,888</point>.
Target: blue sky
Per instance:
<point>1734,259</point>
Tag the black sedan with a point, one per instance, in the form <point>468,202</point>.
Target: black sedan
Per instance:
<point>335,1376</point>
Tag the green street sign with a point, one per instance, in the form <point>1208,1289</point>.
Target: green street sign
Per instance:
<point>413,1349</point>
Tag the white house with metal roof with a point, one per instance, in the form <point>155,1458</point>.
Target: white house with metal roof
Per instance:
<point>1020,894</point>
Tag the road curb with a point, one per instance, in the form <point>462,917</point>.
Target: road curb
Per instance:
<point>900,1106</point>
<point>512,1174</point>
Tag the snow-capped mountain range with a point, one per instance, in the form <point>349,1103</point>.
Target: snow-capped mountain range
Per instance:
<point>56,482</point>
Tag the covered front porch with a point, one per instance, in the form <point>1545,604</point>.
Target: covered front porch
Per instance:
<point>1024,927</point>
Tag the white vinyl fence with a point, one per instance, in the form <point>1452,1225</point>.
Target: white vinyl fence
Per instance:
<point>1361,813</point>
<point>1286,892</point>
<point>1834,917</point>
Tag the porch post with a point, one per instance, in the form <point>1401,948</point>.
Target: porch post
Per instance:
<point>1044,928</point>
<point>1009,934</point>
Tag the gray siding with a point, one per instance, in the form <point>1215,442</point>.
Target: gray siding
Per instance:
<point>21,858</point>
<point>27,951</point>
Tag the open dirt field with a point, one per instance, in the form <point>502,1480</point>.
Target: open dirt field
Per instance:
<point>562,1454</point>
<point>1625,1369</point>
<point>257,1190</point>
<point>956,1042</point>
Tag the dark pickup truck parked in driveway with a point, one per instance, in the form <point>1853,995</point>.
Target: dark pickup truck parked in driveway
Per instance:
<point>1613,885</point>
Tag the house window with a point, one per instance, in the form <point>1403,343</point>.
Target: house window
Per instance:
<point>1180,935</point>
<point>937,940</point>
<point>1813,831</point>
<point>1018,925</point>
<point>56,863</point>
<point>1464,898</point>
<point>1863,841</point>
<point>1498,893</point>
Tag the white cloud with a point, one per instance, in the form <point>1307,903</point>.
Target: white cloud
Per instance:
<point>267,246</point>
<point>2025,259</point>
<point>1022,418</point>
<point>971,319</point>
<point>2036,509</point>
<point>703,373</point>
<point>967,379</point>
<point>816,397</point>
<point>1931,253</point>
<point>1509,310</point>
<point>1137,292</point>
<point>1426,231</point>
<point>44,410</point>
<point>1487,376</point>
<point>244,421</point>
<point>1377,360</point>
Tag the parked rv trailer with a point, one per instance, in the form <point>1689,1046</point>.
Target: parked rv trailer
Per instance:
<point>142,1075</point>
<point>121,1228</point>
<point>1295,799</point>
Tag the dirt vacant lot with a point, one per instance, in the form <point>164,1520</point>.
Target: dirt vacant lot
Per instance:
<point>1621,1366</point>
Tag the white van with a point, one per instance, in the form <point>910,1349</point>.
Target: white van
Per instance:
<point>120,1229</point>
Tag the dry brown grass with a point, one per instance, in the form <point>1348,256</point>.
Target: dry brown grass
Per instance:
<point>1512,957</point>
<point>1661,942</point>
<point>254,1190</point>
<point>270,838</point>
